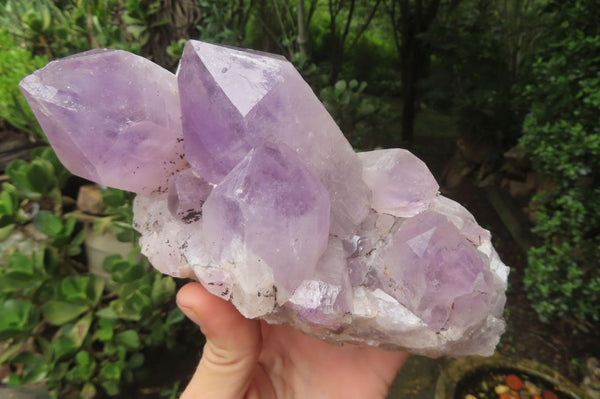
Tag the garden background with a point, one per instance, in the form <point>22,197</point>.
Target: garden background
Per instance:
<point>501,98</point>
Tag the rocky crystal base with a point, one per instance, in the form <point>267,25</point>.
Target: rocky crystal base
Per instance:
<point>245,182</point>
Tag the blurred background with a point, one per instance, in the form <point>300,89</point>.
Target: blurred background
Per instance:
<point>501,98</point>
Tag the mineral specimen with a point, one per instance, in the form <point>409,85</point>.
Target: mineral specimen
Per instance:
<point>245,183</point>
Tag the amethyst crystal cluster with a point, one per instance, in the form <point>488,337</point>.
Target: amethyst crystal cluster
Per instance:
<point>245,183</point>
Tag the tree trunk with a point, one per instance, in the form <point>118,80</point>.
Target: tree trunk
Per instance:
<point>414,21</point>
<point>302,34</point>
<point>408,71</point>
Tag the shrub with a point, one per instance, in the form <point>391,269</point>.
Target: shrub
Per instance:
<point>59,323</point>
<point>15,63</point>
<point>562,137</point>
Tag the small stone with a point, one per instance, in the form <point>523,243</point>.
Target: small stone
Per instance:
<point>500,389</point>
<point>514,382</point>
<point>532,388</point>
<point>548,394</point>
<point>89,199</point>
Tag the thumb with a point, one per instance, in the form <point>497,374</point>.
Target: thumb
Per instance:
<point>232,345</point>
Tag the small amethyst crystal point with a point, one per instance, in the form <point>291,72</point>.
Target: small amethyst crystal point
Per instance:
<point>274,211</point>
<point>111,116</point>
<point>400,182</point>
<point>279,212</point>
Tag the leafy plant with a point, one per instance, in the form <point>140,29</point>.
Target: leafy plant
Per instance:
<point>70,332</point>
<point>79,333</point>
<point>360,117</point>
<point>119,215</point>
<point>58,29</point>
<point>15,63</point>
<point>562,137</point>
<point>43,177</point>
<point>482,53</point>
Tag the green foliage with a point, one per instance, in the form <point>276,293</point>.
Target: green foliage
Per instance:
<point>38,23</point>
<point>97,343</point>
<point>136,15</point>
<point>359,116</point>
<point>562,137</point>
<point>43,177</point>
<point>15,63</point>
<point>77,332</point>
<point>224,21</point>
<point>32,32</point>
<point>481,52</point>
<point>119,219</point>
<point>58,29</point>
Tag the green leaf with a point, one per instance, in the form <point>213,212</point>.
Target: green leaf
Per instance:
<point>162,289</point>
<point>70,338</point>
<point>94,289</point>
<point>15,318</point>
<point>80,330</point>
<point>58,312</point>
<point>63,346</point>
<point>129,273</point>
<point>111,387</point>
<point>21,274</point>
<point>136,360</point>
<point>6,230</point>
<point>20,263</point>
<point>45,348</point>
<point>128,338</point>
<point>105,329</point>
<point>114,263</point>
<point>8,203</point>
<point>48,223</point>
<point>119,309</point>
<point>111,371</point>
<point>75,289</point>
<point>74,247</point>
<point>40,176</point>
<point>84,369</point>
<point>10,351</point>
<point>175,316</point>
<point>88,391</point>
<point>14,380</point>
<point>113,197</point>
<point>36,373</point>
<point>17,172</point>
<point>108,312</point>
<point>34,369</point>
<point>340,86</point>
<point>47,153</point>
<point>110,377</point>
<point>136,30</point>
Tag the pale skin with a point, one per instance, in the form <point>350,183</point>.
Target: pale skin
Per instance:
<point>250,359</point>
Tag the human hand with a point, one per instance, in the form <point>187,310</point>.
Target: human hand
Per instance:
<point>251,359</point>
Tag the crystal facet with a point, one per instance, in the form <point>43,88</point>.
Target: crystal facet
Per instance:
<point>269,206</point>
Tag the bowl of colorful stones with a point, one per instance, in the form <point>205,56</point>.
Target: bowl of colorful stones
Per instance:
<point>499,377</point>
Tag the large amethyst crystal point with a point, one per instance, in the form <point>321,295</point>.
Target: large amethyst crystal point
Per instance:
<point>111,116</point>
<point>233,100</point>
<point>269,207</point>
